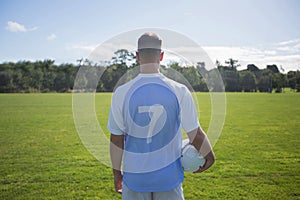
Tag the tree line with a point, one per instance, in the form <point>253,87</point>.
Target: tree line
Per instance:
<point>46,76</point>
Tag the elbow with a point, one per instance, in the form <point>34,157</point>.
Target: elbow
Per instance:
<point>212,158</point>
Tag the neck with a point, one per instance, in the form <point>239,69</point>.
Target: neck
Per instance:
<point>149,68</point>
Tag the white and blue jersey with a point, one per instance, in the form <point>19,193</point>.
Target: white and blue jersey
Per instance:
<point>150,111</point>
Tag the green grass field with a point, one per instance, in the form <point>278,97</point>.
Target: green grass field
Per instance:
<point>42,157</point>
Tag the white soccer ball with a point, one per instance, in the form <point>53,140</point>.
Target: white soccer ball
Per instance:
<point>191,160</point>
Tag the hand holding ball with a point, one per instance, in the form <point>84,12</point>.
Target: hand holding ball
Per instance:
<point>191,160</point>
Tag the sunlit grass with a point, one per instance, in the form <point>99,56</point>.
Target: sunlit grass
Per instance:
<point>42,156</point>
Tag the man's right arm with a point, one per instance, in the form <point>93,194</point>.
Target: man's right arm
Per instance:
<point>116,153</point>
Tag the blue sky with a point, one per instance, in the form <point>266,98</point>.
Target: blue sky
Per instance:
<point>254,31</point>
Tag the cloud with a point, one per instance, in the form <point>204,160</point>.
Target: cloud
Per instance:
<point>80,50</point>
<point>260,56</point>
<point>84,47</point>
<point>289,42</point>
<point>17,27</point>
<point>290,46</point>
<point>285,54</point>
<point>51,37</point>
<point>96,53</point>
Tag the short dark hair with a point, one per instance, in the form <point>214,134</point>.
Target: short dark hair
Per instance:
<point>149,41</point>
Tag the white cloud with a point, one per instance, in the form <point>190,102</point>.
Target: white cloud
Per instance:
<point>290,46</point>
<point>17,27</point>
<point>51,37</point>
<point>96,53</point>
<point>32,29</point>
<point>260,56</point>
<point>80,50</point>
<point>281,55</point>
<point>83,47</point>
<point>289,42</point>
<point>285,54</point>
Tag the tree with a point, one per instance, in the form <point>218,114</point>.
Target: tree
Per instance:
<point>231,78</point>
<point>232,63</point>
<point>293,80</point>
<point>111,76</point>
<point>124,57</point>
<point>45,76</point>
<point>175,66</point>
<point>264,82</point>
<point>247,81</point>
<point>278,81</point>
<point>49,75</point>
<point>36,79</point>
<point>252,68</point>
<point>273,68</point>
<point>213,81</point>
<point>7,81</point>
<point>194,78</point>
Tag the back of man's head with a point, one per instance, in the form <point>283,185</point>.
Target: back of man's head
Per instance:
<point>149,47</point>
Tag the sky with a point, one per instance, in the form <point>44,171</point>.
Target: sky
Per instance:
<point>256,32</point>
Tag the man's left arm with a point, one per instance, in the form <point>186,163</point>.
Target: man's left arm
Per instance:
<point>200,141</point>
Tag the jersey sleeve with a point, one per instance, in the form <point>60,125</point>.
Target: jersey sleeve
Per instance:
<point>189,117</point>
<point>115,120</point>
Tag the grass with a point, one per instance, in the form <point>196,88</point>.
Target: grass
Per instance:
<point>257,153</point>
<point>42,156</point>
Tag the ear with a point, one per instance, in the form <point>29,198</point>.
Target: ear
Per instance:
<point>161,56</point>
<point>137,56</point>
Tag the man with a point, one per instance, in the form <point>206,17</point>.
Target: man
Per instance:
<point>145,122</point>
